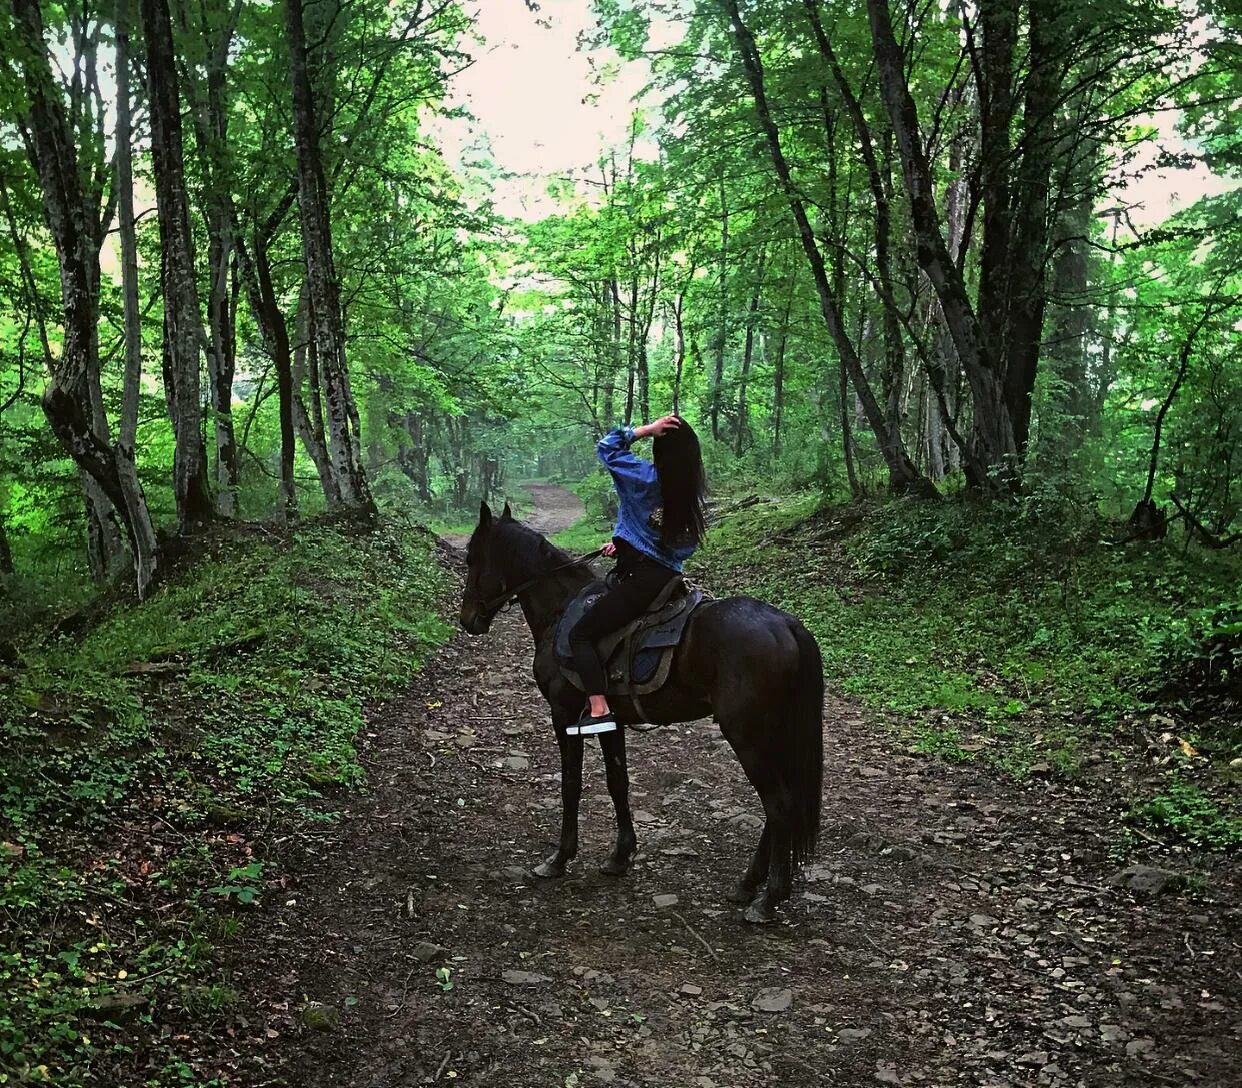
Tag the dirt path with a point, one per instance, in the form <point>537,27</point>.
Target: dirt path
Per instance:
<point>555,508</point>
<point>956,930</point>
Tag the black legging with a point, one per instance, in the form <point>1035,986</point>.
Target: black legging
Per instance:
<point>638,581</point>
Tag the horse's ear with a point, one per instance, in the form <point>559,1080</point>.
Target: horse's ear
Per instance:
<point>506,514</point>
<point>485,515</point>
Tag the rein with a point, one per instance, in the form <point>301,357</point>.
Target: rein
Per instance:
<point>511,595</point>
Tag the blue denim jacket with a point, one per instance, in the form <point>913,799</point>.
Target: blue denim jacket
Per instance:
<point>638,494</point>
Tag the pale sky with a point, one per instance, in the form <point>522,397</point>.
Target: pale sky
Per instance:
<point>538,99</point>
<point>547,114</point>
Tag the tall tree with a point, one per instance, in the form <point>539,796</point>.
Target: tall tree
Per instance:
<point>146,551</point>
<point>903,474</point>
<point>325,300</point>
<point>183,326</point>
<point>76,226</point>
<point>208,36</point>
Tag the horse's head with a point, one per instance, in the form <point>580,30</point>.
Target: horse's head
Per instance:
<point>486,589</point>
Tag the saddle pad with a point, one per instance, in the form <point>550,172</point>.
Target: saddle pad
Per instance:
<point>655,636</point>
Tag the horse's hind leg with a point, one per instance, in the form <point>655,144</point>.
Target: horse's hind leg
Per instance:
<point>756,873</point>
<point>613,747</point>
<point>780,880</point>
<point>772,856</point>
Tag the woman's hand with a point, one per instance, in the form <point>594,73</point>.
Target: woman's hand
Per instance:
<point>609,549</point>
<point>657,428</point>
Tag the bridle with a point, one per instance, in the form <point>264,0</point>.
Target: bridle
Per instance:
<point>494,604</point>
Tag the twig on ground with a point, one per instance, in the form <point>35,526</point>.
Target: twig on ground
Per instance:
<point>870,941</point>
<point>696,935</point>
<point>448,1055</point>
<point>528,1013</point>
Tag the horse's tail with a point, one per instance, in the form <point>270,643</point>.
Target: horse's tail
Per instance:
<point>803,758</point>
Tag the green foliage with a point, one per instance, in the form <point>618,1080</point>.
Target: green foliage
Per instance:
<point>1027,638</point>
<point>147,759</point>
<point>1206,649</point>
<point>1185,811</point>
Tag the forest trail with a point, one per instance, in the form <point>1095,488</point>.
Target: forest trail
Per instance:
<point>554,508</point>
<point>955,929</point>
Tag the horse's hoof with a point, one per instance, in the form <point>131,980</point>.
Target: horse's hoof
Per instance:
<point>615,866</point>
<point>549,870</point>
<point>759,913</point>
<point>742,893</point>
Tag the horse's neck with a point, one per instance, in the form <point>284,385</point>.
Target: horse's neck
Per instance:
<point>544,602</point>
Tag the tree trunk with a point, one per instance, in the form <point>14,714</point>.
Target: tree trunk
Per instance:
<point>902,473</point>
<point>778,370</point>
<point>1183,365</point>
<point>722,327</point>
<point>414,458</point>
<point>998,20</point>
<point>1027,294</point>
<point>256,275</point>
<point>6,553</point>
<point>67,400</point>
<point>221,363</point>
<point>329,333</point>
<point>847,442</point>
<point>1070,401</point>
<point>103,537</point>
<point>748,351</point>
<point>129,238</point>
<point>993,429</point>
<point>211,122</point>
<point>310,424</point>
<point>614,294</point>
<point>644,333</point>
<point>679,348</point>
<point>894,350</point>
<point>631,348</point>
<point>183,329</point>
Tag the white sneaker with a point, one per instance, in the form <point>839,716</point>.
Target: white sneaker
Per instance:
<point>589,724</point>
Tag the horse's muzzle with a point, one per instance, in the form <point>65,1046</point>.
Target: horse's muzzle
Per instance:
<point>474,620</point>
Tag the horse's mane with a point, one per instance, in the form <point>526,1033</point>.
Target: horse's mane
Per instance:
<point>528,550</point>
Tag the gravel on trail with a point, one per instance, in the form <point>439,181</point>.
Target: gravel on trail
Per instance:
<point>955,928</point>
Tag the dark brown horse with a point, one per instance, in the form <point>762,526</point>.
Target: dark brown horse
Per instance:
<point>756,670</point>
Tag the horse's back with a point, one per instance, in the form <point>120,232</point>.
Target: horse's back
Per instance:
<point>743,640</point>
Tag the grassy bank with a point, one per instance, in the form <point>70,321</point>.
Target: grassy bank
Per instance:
<point>152,756</point>
<point>1030,643</point>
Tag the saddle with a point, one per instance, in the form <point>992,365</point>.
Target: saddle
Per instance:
<point>637,658</point>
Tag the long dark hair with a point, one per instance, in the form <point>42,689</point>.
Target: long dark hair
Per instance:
<point>683,486</point>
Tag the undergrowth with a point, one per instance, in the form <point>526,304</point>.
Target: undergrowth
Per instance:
<point>1005,635</point>
<point>149,762</point>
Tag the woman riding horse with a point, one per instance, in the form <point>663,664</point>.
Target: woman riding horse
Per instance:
<point>659,525</point>
<point>753,668</point>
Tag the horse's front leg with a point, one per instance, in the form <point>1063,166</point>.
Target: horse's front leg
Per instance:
<point>571,794</point>
<point>613,746</point>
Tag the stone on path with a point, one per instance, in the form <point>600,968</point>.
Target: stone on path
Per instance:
<point>320,1017</point>
<point>1147,880</point>
<point>426,951</point>
<point>524,978</point>
<point>773,999</point>
<point>665,899</point>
